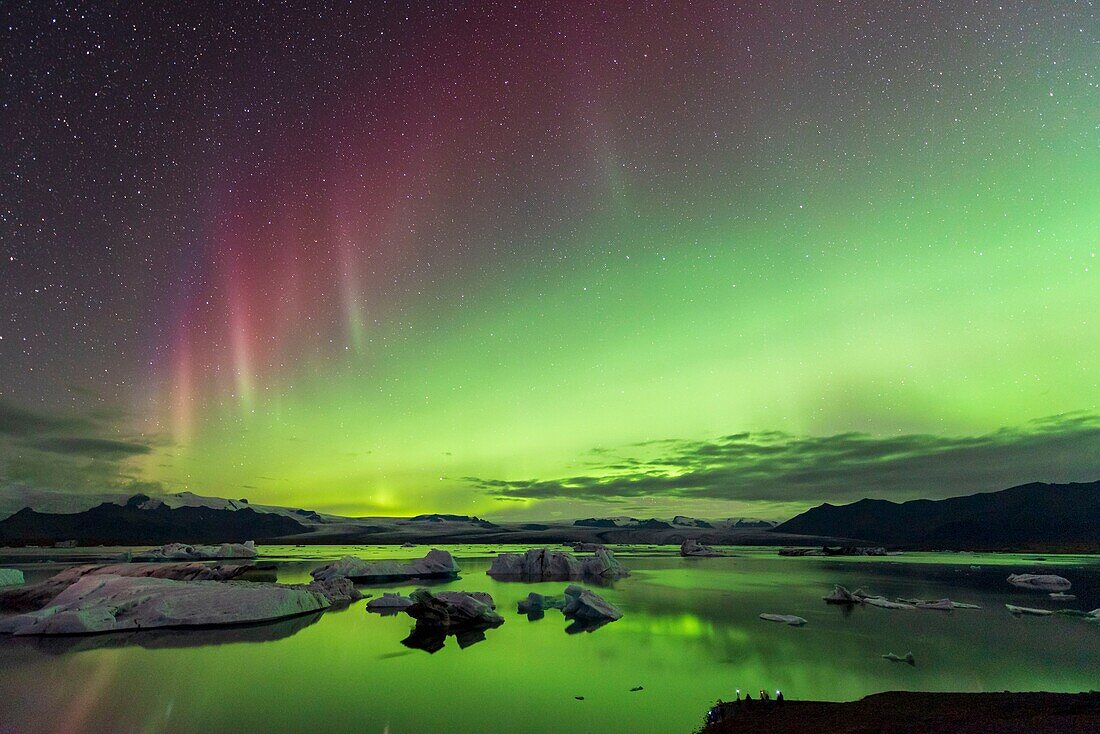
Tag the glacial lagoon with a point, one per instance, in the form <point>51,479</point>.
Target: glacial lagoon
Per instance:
<point>690,635</point>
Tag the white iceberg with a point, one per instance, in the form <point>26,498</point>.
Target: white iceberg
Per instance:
<point>943,605</point>
<point>389,601</point>
<point>940,604</point>
<point>692,548</point>
<point>102,603</point>
<point>185,552</point>
<point>587,606</point>
<point>841,595</point>
<point>1027,610</point>
<point>35,596</point>
<point>541,564</point>
<point>436,564</point>
<point>884,603</point>
<point>1039,582</point>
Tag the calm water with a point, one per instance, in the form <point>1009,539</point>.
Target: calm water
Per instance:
<point>690,635</point>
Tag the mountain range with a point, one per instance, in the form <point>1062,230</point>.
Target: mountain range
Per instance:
<point>45,517</point>
<point>1037,515</point>
<point>141,520</point>
<point>1031,516</point>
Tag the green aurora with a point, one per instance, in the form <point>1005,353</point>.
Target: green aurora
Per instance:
<point>886,227</point>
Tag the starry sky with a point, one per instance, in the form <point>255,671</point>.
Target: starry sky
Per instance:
<point>549,258</point>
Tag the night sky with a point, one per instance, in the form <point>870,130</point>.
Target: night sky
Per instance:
<point>549,259</point>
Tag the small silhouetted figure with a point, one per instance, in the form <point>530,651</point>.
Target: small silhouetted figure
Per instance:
<point>779,695</point>
<point>748,697</point>
<point>764,695</point>
<point>739,694</point>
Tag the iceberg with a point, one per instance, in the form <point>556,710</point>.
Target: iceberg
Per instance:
<point>784,618</point>
<point>692,548</point>
<point>104,603</point>
<point>884,603</point>
<point>35,596</point>
<point>588,610</point>
<point>541,564</point>
<point>536,604</point>
<point>436,564</point>
<point>453,609</point>
<point>185,552</point>
<point>389,602</point>
<point>940,604</point>
<point>10,577</point>
<point>841,595</point>
<point>1039,582</point>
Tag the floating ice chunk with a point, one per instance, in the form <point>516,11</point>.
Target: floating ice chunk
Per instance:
<point>389,601</point>
<point>436,564</point>
<point>1039,582</point>
<point>790,619</point>
<point>10,577</point>
<point>102,603</point>
<point>692,548</point>
<point>1027,610</point>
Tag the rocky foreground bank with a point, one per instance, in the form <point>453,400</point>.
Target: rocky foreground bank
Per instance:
<point>915,713</point>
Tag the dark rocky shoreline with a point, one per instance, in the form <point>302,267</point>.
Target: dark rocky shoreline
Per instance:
<point>901,712</point>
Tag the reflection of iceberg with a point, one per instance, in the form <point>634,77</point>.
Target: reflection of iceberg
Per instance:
<point>461,614</point>
<point>163,639</point>
<point>431,637</point>
<point>578,626</point>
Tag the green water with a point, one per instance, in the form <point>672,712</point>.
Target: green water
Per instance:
<point>690,635</point>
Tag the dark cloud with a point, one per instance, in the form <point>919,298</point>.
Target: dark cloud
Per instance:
<point>16,421</point>
<point>780,467</point>
<point>95,447</point>
<point>77,452</point>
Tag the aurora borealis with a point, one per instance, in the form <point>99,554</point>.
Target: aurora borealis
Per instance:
<point>550,258</point>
